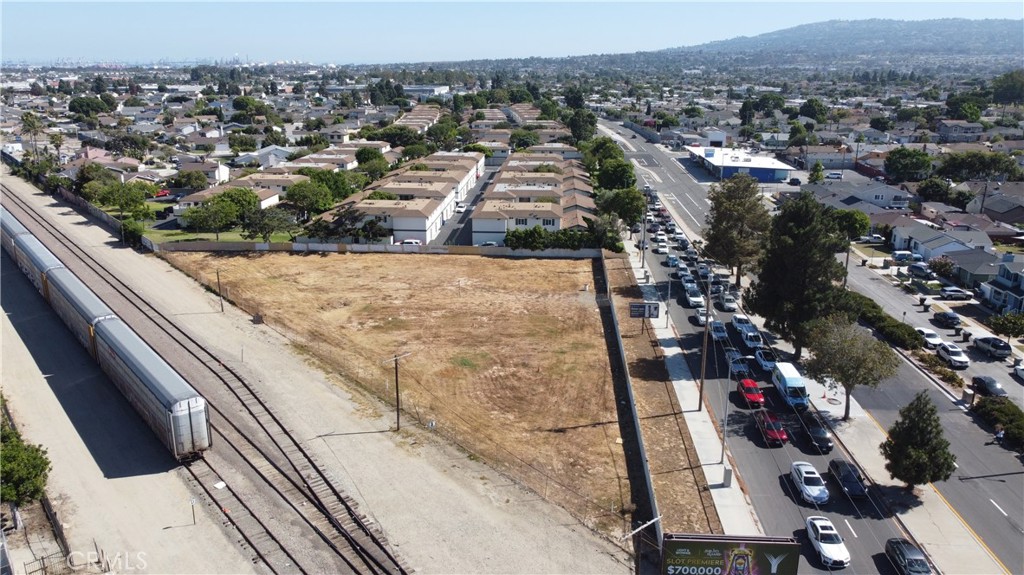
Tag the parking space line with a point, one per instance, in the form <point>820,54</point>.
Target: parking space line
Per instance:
<point>999,508</point>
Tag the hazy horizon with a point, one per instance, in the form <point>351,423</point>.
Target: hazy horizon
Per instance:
<point>358,33</point>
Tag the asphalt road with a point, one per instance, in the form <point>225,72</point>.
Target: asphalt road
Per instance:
<point>458,230</point>
<point>986,490</point>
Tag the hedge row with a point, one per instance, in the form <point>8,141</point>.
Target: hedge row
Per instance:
<point>935,364</point>
<point>897,332</point>
<point>1002,411</point>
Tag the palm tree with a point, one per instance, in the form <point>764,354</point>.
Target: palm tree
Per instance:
<point>57,140</point>
<point>30,125</point>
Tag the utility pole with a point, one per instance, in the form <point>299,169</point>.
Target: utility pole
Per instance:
<point>220,294</point>
<point>398,396</point>
<point>704,357</point>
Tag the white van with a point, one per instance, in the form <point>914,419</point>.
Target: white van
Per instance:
<point>790,385</point>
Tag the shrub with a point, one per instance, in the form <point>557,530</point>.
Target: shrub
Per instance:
<point>1002,411</point>
<point>896,332</point>
<point>935,364</point>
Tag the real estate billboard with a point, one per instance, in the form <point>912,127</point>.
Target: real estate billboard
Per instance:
<point>728,555</point>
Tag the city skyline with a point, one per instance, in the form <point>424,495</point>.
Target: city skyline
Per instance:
<point>358,33</point>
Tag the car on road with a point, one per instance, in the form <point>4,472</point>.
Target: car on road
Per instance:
<point>701,315</point>
<point>849,478</point>
<point>742,323</point>
<point>993,346</point>
<point>931,339</point>
<point>672,261</point>
<point>654,228</point>
<point>752,340</point>
<point>661,237</point>
<point>809,483</point>
<point>954,293</point>
<point>953,355</point>
<point>727,302</point>
<point>661,248</point>
<point>718,331</point>
<point>685,276</point>
<point>794,181</point>
<point>946,319</point>
<point>987,385</point>
<point>827,542</point>
<point>766,359</point>
<point>906,557</point>
<point>739,366</point>
<point>750,393</point>
<point>637,228</point>
<point>694,298</point>
<point>771,428</point>
<point>460,207</point>
<point>817,434</point>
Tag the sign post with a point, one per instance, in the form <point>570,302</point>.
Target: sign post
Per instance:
<point>644,310</point>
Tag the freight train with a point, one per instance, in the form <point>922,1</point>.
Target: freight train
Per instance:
<point>169,405</point>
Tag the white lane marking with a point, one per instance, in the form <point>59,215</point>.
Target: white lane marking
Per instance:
<point>669,176</point>
<point>708,201</point>
<point>999,508</point>
<point>847,521</point>
<point>693,200</point>
<point>688,213</point>
<point>648,170</point>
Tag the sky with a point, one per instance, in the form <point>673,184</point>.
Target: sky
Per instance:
<point>343,32</point>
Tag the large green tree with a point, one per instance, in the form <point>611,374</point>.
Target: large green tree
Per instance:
<point>814,108</point>
<point>916,452</point>
<point>32,126</point>
<point>798,270</point>
<point>1009,88</point>
<point>736,223</point>
<point>616,175</point>
<point>844,354</point>
<point>852,223</point>
<point>310,197</point>
<point>189,179</point>
<point>1009,325</point>
<point>817,173</point>
<point>966,166</point>
<point>127,198</point>
<point>24,467</point>
<point>261,224</point>
<point>582,125</point>
<point>520,139</point>
<point>903,164</point>
<point>215,216</point>
<point>628,204</point>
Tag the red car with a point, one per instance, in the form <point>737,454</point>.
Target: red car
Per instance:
<point>771,428</point>
<point>750,392</point>
<point>162,194</point>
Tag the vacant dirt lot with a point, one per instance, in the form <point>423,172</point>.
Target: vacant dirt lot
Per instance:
<point>505,357</point>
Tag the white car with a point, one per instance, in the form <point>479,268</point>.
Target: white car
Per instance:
<point>459,208</point>
<point>953,355</point>
<point>742,323</point>
<point>727,301</point>
<point>661,248</point>
<point>827,542</point>
<point>701,315</point>
<point>718,332</point>
<point>765,359</point>
<point>694,298</point>
<point>931,339</point>
<point>809,483</point>
<point>661,237</point>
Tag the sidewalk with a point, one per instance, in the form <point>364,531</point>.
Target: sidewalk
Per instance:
<point>735,510</point>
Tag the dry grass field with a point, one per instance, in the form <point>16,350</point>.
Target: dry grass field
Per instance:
<point>506,356</point>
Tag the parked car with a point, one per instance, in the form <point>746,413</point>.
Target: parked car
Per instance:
<point>906,557</point>
<point>946,319</point>
<point>766,359</point>
<point>834,176</point>
<point>993,346</point>
<point>849,478</point>
<point>986,385</point>
<point>827,542</point>
<point>771,428</point>
<point>953,355</point>
<point>931,339</point>
<point>818,435</point>
<point>809,483</point>
<point>460,207</point>
<point>794,181</point>
<point>954,293</point>
<point>921,270</point>
<point>750,393</point>
<point>636,229</point>
<point>742,323</point>
<point>410,242</point>
<point>718,332</point>
<point>727,301</point>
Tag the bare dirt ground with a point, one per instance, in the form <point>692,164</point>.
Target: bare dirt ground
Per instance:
<point>505,357</point>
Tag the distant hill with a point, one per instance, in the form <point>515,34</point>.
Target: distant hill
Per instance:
<point>853,39</point>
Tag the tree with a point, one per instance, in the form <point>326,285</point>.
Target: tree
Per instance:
<point>852,223</point>
<point>31,125</point>
<point>628,204</point>
<point>916,452</point>
<point>24,467</point>
<point>797,134</point>
<point>798,270</point>
<point>903,164</point>
<point>365,155</point>
<point>242,143</point>
<point>274,138</point>
<point>127,198</point>
<point>244,199</point>
<point>189,179</point>
<point>381,195</point>
<point>966,166</point>
<point>57,141</point>
<point>310,198</point>
<point>942,265</point>
<point>261,224</point>
<point>375,169</point>
<point>814,108</point>
<point>520,139</point>
<point>615,175</point>
<point>213,216</point>
<point>574,97</point>
<point>847,355</point>
<point>487,152</point>
<point>582,125</point>
<point>1010,325</point>
<point>817,173</point>
<point>736,223</point>
<point>1009,88</point>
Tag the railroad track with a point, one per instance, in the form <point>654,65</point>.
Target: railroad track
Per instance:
<point>273,453</point>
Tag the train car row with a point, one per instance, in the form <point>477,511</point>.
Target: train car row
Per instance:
<point>172,408</point>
